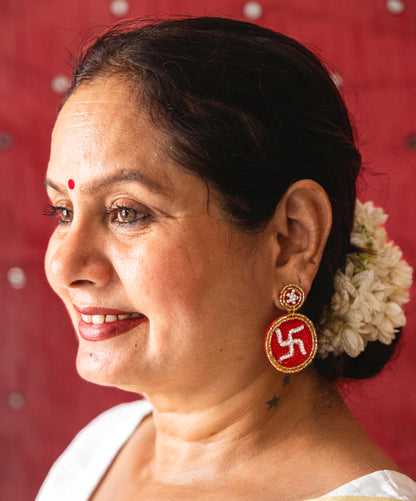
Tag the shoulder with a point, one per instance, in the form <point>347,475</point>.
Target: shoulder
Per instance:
<point>385,483</point>
<point>78,470</point>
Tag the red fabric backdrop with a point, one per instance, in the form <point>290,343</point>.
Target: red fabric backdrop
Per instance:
<point>371,45</point>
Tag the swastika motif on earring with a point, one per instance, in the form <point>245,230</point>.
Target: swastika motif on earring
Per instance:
<point>290,342</point>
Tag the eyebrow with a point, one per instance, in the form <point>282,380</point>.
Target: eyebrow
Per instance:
<point>125,176</point>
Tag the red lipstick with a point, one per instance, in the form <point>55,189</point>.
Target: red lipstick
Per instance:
<point>98,324</point>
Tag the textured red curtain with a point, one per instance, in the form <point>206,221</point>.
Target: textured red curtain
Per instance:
<point>371,47</point>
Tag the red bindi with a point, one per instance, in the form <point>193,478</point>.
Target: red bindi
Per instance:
<point>71,184</point>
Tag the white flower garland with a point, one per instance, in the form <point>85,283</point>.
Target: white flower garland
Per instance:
<point>366,305</point>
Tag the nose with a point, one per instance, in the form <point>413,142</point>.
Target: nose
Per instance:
<point>77,258</point>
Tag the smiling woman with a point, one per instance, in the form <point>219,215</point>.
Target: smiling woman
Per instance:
<point>147,242</point>
<point>202,175</point>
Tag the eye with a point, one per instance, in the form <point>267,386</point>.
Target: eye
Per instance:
<point>63,214</point>
<point>123,214</point>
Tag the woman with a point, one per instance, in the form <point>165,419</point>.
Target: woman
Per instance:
<point>198,167</point>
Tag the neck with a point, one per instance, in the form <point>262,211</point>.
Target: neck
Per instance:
<point>248,421</point>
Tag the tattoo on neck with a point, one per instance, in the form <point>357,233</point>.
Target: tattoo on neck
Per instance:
<point>273,402</point>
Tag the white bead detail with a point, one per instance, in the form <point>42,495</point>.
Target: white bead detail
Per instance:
<point>292,297</point>
<point>290,342</point>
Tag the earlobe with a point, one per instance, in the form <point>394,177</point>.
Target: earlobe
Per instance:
<point>302,223</point>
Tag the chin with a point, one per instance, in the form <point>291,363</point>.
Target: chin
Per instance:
<point>93,367</point>
<point>106,364</point>
<point>101,367</point>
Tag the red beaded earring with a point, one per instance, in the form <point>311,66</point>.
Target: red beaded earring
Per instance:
<point>291,342</point>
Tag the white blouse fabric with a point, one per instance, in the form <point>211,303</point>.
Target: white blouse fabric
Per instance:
<point>77,472</point>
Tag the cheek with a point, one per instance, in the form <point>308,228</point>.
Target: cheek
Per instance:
<point>188,280</point>
<point>50,265</point>
<point>170,275</point>
<point>165,275</point>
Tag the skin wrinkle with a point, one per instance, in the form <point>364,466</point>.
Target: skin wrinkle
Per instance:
<point>228,402</point>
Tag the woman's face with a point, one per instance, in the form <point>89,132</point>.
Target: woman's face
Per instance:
<point>138,235</point>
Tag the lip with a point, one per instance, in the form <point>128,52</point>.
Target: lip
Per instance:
<point>95,310</point>
<point>107,330</point>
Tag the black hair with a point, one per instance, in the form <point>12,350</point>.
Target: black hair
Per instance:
<point>251,111</point>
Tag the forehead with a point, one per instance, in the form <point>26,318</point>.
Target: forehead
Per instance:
<point>103,95</point>
<point>102,127</point>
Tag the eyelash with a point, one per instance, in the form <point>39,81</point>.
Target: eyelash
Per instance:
<point>57,211</point>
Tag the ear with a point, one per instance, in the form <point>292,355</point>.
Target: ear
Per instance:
<point>301,225</point>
